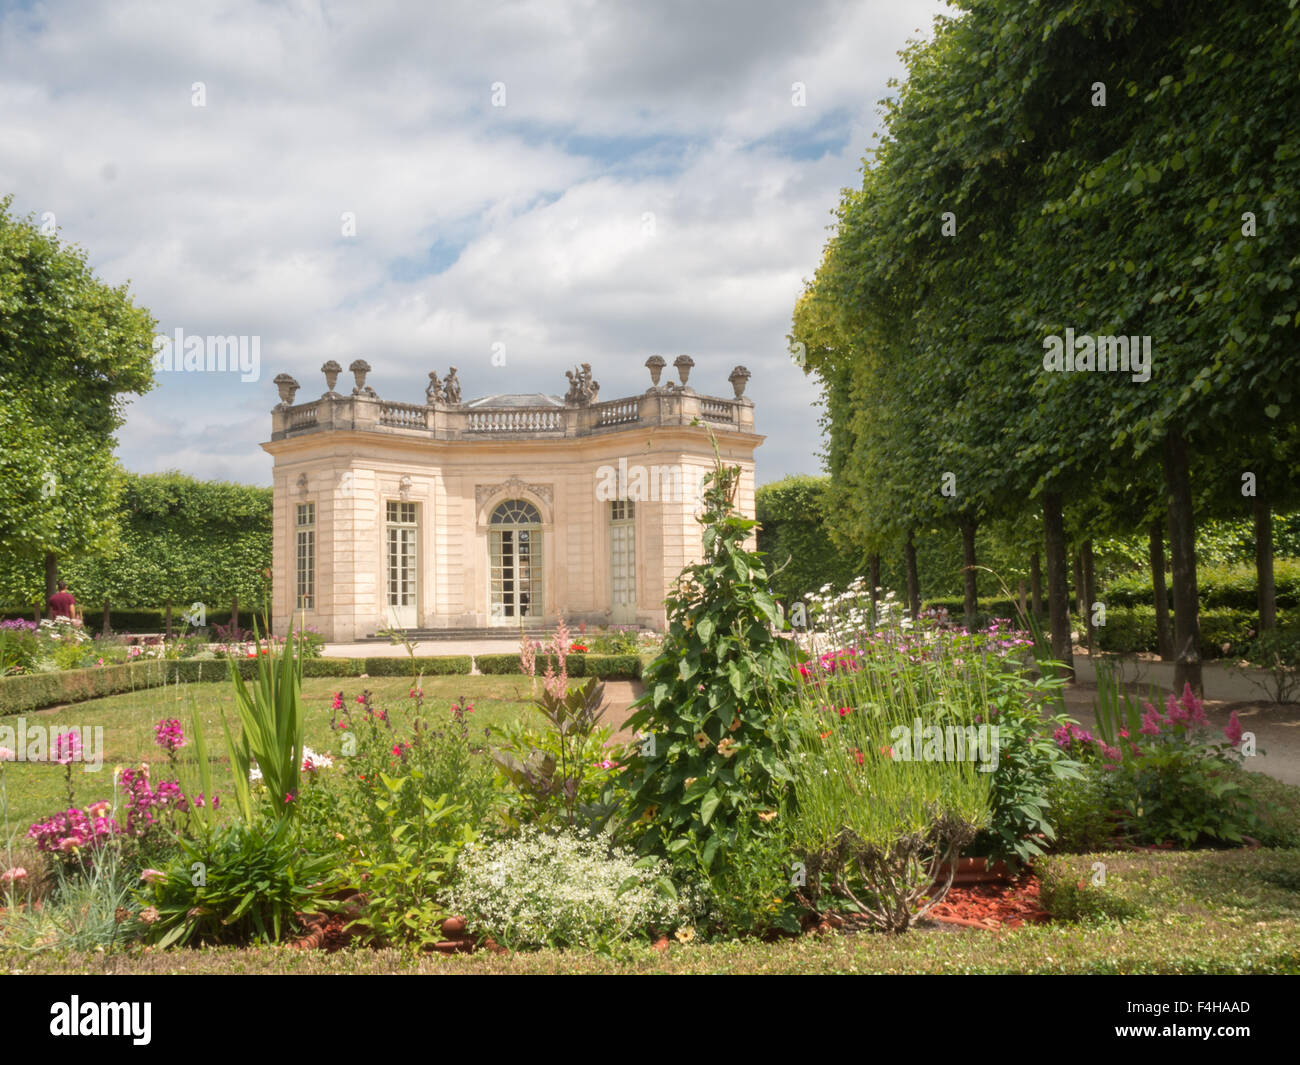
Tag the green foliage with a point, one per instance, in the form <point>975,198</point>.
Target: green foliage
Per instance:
<point>1225,632</point>
<point>712,717</point>
<point>1277,652</point>
<point>442,665</point>
<point>559,775</point>
<point>605,667</point>
<point>566,890</point>
<point>793,535</point>
<point>271,732</point>
<point>71,347</point>
<point>1071,895</point>
<point>404,880</point>
<point>242,882</point>
<point>37,690</point>
<point>406,800</point>
<point>1030,766</point>
<point>19,650</point>
<point>180,539</point>
<point>1233,587</point>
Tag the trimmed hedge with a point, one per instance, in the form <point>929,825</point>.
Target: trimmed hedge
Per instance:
<point>443,665</point>
<point>1132,629</point>
<point>988,608</point>
<point>579,665</point>
<point>36,690</point>
<point>33,691</point>
<point>1217,586</point>
<point>140,620</point>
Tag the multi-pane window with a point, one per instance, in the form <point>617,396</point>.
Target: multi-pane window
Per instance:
<point>401,530</point>
<point>515,549</point>
<point>306,556</point>
<point>622,558</point>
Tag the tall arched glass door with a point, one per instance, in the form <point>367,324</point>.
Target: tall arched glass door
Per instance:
<point>515,547</point>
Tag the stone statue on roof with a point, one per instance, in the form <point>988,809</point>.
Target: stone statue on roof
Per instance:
<point>451,388</point>
<point>583,389</point>
<point>433,394</point>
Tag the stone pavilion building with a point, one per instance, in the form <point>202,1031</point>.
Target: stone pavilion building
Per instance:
<point>501,512</point>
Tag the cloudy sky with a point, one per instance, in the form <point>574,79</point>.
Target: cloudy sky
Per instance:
<point>578,181</point>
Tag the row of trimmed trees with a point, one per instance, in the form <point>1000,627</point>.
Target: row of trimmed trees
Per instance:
<point>1050,174</point>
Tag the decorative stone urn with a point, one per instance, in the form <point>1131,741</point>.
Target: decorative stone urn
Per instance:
<point>331,370</point>
<point>739,378</point>
<point>359,369</point>
<point>287,386</point>
<point>655,364</point>
<point>683,364</point>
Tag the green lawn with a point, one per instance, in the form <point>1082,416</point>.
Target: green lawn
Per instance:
<point>1232,911</point>
<point>36,791</point>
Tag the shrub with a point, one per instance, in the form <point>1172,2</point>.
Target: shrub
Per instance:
<point>442,665</point>
<point>250,882</point>
<point>713,706</point>
<point>1068,893</point>
<point>409,800</point>
<point>541,890</point>
<point>879,810</point>
<point>1080,811</point>
<point>1225,631</point>
<point>1218,587</point>
<point>1277,653</point>
<point>1168,780</point>
<point>21,694</point>
<point>19,647</point>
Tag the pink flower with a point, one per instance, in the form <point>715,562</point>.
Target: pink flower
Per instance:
<point>153,876</point>
<point>10,876</point>
<point>6,755</point>
<point>1233,729</point>
<point>1151,721</point>
<point>67,747</point>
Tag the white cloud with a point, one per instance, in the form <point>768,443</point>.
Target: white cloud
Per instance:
<point>226,218</point>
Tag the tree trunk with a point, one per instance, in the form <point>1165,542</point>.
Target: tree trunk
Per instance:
<point>1058,592</point>
<point>913,582</point>
<point>1020,595</point>
<point>971,604</point>
<point>1164,634</point>
<point>51,574</point>
<point>1089,595</point>
<point>1182,552</point>
<point>873,574</point>
<point>168,626</point>
<point>234,613</point>
<point>1078,581</point>
<point>1264,565</point>
<point>1036,583</point>
<point>104,628</point>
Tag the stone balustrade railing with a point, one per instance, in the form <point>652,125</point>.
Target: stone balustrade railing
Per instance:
<point>443,421</point>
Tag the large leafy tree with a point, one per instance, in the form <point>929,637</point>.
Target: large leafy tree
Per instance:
<point>71,349</point>
<point>1108,169</point>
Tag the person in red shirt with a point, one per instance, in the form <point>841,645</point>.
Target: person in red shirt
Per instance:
<point>63,603</point>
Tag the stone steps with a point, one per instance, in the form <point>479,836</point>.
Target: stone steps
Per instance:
<point>502,633</point>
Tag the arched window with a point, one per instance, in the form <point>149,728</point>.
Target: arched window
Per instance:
<point>515,512</point>
<point>515,546</point>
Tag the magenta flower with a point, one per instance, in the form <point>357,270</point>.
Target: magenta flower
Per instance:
<point>1233,729</point>
<point>169,735</point>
